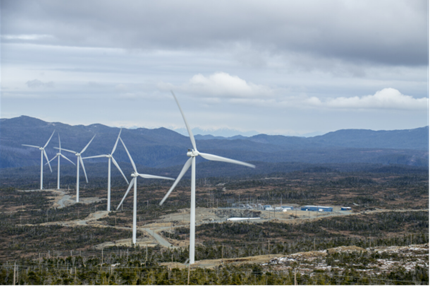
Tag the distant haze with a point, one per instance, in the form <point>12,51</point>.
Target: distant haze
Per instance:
<point>217,132</point>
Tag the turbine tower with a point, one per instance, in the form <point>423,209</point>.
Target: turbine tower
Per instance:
<point>193,153</point>
<point>79,160</point>
<point>110,158</point>
<point>134,182</point>
<point>42,153</point>
<point>58,155</point>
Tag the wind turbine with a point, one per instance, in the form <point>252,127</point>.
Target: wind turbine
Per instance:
<point>79,160</point>
<point>193,153</point>
<point>134,182</point>
<point>42,153</point>
<point>110,158</point>
<point>58,155</point>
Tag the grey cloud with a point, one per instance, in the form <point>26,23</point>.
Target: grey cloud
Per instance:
<point>385,32</point>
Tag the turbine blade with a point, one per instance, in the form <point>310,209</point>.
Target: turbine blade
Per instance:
<point>97,156</point>
<point>30,146</point>
<point>49,140</point>
<point>116,142</point>
<point>67,159</point>
<point>183,171</point>
<point>66,150</point>
<point>46,157</point>
<point>146,176</point>
<point>192,138</point>
<point>51,159</point>
<point>127,192</point>
<point>83,168</point>
<point>119,169</point>
<point>130,157</point>
<point>85,148</point>
<point>223,159</point>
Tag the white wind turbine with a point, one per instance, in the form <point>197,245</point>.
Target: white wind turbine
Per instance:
<point>193,153</point>
<point>78,161</point>
<point>110,158</point>
<point>58,155</point>
<point>42,153</point>
<point>134,182</point>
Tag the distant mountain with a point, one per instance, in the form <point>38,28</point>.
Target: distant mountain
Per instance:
<point>161,147</point>
<point>416,139</point>
<point>211,137</point>
<point>358,138</point>
<point>222,132</point>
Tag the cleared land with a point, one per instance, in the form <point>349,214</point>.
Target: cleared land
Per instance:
<point>398,199</point>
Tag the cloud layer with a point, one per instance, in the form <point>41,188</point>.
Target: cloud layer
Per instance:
<point>287,67</point>
<point>235,89</point>
<point>387,98</point>
<point>389,32</point>
<point>221,85</point>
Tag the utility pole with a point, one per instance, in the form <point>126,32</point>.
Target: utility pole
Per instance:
<point>14,273</point>
<point>188,276</point>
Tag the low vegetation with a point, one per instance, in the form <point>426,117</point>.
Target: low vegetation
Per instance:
<point>67,255</point>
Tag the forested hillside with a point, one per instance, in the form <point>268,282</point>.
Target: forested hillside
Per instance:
<point>165,148</point>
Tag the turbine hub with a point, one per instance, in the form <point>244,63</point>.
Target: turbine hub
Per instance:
<point>135,175</point>
<point>192,153</point>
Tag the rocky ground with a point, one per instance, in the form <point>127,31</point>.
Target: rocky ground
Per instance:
<point>373,261</point>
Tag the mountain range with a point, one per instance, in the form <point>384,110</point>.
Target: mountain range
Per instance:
<point>162,148</point>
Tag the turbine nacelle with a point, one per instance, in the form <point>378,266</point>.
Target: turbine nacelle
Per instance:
<point>192,153</point>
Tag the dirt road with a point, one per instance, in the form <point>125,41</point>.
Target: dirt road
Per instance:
<point>90,218</point>
<point>160,240</point>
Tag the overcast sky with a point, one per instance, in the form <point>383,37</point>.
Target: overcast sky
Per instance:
<point>275,67</point>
